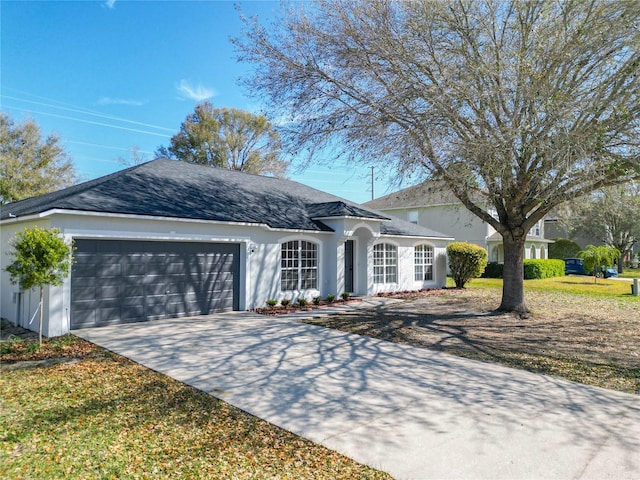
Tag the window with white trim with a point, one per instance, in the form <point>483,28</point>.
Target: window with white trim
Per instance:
<point>423,263</point>
<point>385,263</point>
<point>536,230</point>
<point>299,265</point>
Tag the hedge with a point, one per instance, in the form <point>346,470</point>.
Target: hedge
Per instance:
<point>533,269</point>
<point>539,269</point>
<point>493,270</point>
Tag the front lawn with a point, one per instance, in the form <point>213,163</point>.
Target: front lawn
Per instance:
<point>86,413</point>
<point>577,330</point>
<point>580,285</point>
<point>630,273</point>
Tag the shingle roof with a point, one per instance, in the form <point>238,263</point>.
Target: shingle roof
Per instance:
<point>341,209</point>
<point>176,189</point>
<point>429,193</point>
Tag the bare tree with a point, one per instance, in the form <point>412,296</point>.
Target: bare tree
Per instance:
<point>136,157</point>
<point>517,106</point>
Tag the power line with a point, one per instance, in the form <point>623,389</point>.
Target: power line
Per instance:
<point>65,117</point>
<point>88,112</point>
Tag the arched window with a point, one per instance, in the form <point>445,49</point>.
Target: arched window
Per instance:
<point>299,265</point>
<point>423,263</point>
<point>533,251</point>
<point>385,263</point>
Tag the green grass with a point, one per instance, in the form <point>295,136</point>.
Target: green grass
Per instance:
<point>109,418</point>
<point>572,284</point>
<point>631,273</point>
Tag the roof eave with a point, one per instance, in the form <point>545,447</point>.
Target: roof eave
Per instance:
<point>59,211</point>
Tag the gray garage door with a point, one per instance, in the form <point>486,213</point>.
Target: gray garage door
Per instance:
<point>114,281</point>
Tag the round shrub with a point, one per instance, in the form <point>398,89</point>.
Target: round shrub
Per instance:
<point>466,261</point>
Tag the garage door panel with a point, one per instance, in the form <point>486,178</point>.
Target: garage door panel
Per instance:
<point>123,281</point>
<point>84,317</point>
<point>133,269</point>
<point>109,270</point>
<point>108,292</point>
<point>84,270</point>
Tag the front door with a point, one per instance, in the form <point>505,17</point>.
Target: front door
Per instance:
<point>348,266</point>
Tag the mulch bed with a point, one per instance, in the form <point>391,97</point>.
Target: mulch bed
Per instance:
<point>284,310</point>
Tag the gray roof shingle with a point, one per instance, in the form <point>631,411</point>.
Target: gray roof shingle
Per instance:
<point>176,189</point>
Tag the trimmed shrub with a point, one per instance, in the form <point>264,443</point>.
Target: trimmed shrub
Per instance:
<point>466,261</point>
<point>493,270</point>
<point>563,248</point>
<point>539,269</point>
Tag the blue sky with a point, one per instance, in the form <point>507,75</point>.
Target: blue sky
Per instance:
<point>106,76</point>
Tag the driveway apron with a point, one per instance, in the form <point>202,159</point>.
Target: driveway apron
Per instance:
<point>414,413</point>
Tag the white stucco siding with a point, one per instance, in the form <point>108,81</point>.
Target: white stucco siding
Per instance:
<point>405,267</point>
<point>259,259</point>
<point>452,220</point>
<point>21,307</point>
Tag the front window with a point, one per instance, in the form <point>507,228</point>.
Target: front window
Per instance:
<point>423,263</point>
<point>385,263</point>
<point>536,230</point>
<point>299,265</point>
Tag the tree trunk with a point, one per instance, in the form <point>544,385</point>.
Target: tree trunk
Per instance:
<point>40,329</point>
<point>513,274</point>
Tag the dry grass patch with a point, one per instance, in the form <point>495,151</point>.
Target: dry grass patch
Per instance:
<point>589,339</point>
<point>107,417</point>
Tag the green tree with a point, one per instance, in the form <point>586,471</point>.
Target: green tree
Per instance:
<point>228,138</point>
<point>597,258</point>
<point>40,257</point>
<point>29,165</point>
<point>609,215</point>
<point>466,261</point>
<point>518,106</point>
<point>563,248</point>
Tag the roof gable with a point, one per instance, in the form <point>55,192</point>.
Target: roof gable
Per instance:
<point>428,193</point>
<point>341,209</point>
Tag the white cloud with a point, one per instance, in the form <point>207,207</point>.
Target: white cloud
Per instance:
<point>195,92</point>
<point>110,3</point>
<point>120,101</point>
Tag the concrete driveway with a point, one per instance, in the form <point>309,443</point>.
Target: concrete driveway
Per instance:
<point>411,412</point>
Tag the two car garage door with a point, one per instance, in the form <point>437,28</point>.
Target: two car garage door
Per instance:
<point>117,281</point>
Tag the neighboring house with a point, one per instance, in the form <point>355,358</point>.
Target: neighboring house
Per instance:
<point>430,203</point>
<point>168,239</point>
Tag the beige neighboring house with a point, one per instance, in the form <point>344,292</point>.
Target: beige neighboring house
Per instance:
<point>431,204</point>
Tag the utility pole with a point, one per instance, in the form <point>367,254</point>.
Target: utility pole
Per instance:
<point>373,185</point>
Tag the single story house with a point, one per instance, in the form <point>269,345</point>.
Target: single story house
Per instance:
<point>431,203</point>
<point>168,239</point>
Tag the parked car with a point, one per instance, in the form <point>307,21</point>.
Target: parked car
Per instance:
<point>609,272</point>
<point>574,266</point>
